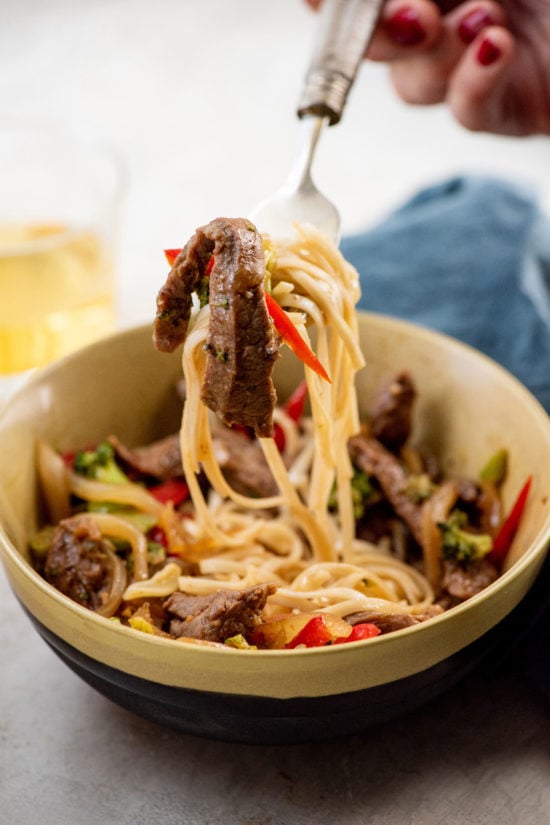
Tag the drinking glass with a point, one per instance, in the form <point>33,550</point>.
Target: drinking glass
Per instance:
<point>60,194</point>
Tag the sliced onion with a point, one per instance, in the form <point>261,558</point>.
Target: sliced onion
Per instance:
<point>132,495</point>
<point>54,482</point>
<point>436,509</point>
<point>117,586</point>
<point>119,528</point>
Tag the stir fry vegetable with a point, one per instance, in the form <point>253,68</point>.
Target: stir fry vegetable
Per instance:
<point>509,528</point>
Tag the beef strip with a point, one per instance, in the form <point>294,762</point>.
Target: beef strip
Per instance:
<point>369,455</point>
<point>243,464</point>
<point>217,616</point>
<point>390,419</point>
<point>462,581</point>
<point>387,623</point>
<point>160,459</point>
<point>241,345</point>
<point>390,622</point>
<point>174,300</point>
<point>240,458</point>
<point>77,563</point>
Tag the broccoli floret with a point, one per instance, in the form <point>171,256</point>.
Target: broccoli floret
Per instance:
<point>458,543</point>
<point>100,465</point>
<point>239,642</point>
<point>419,487</point>
<point>363,493</point>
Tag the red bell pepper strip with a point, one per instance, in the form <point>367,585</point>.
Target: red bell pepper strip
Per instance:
<point>294,408</point>
<point>295,403</point>
<point>174,490</point>
<point>279,436</point>
<point>171,255</point>
<point>209,266</point>
<point>292,337</point>
<point>248,432</point>
<point>508,529</point>
<point>365,630</point>
<point>158,535</point>
<point>68,459</point>
<point>314,634</point>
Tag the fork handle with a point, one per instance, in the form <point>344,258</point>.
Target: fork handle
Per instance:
<point>345,30</point>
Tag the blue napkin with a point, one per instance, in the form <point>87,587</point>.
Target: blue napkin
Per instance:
<point>471,257</point>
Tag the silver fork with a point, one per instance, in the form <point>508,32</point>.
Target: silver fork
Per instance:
<point>345,30</point>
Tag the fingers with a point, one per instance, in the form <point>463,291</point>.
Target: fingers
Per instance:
<point>406,27</point>
<point>473,89</point>
<point>459,55</point>
<point>423,77</point>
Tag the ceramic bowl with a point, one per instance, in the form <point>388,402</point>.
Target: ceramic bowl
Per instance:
<point>467,408</point>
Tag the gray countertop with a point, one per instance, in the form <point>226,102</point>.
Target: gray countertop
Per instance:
<point>68,756</point>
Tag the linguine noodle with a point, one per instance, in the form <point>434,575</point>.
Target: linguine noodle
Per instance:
<point>309,552</point>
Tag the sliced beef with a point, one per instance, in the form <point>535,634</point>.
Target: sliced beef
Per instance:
<point>390,622</point>
<point>241,345</point>
<point>243,464</point>
<point>77,563</point>
<point>462,581</point>
<point>369,455</point>
<point>391,412</point>
<point>387,623</point>
<point>175,298</point>
<point>161,459</point>
<point>240,459</point>
<point>217,616</point>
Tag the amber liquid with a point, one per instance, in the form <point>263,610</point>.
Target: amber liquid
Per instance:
<point>56,294</point>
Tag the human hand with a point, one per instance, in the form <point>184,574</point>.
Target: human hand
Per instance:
<point>489,61</point>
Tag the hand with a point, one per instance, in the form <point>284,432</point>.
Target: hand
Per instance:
<point>488,60</point>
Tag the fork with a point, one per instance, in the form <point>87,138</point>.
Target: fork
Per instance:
<point>345,30</point>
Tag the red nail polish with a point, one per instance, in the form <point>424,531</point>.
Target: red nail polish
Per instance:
<point>488,53</point>
<point>472,24</point>
<point>405,27</point>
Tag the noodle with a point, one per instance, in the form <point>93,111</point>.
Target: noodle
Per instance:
<point>117,527</point>
<point>314,280</point>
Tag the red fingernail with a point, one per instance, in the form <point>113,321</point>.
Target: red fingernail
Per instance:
<point>405,27</point>
<point>473,23</point>
<point>487,53</point>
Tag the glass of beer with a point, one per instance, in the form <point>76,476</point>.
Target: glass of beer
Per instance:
<point>60,194</point>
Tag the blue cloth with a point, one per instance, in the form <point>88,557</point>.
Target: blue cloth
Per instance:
<point>470,257</point>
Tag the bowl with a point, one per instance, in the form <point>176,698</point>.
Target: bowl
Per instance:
<point>467,408</point>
